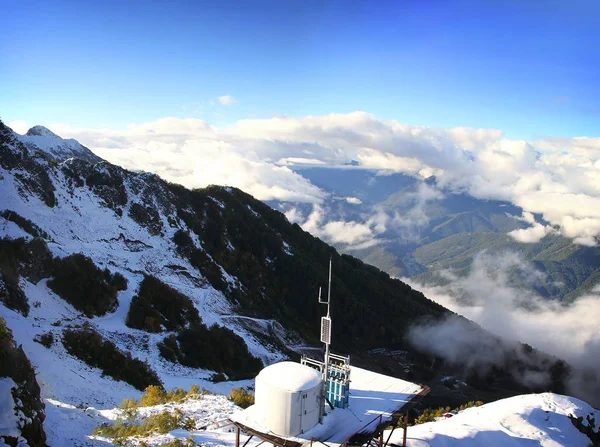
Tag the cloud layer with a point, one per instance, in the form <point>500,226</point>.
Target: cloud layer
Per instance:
<point>557,178</point>
<point>227,100</point>
<point>348,234</point>
<point>487,297</point>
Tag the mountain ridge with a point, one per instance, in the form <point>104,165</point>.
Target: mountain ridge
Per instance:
<point>432,218</point>
<point>42,138</point>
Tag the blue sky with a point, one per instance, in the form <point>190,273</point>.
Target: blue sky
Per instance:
<point>531,68</point>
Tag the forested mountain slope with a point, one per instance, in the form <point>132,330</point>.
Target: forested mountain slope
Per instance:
<point>439,230</point>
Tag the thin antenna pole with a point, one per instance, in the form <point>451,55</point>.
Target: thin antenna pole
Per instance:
<point>329,288</point>
<point>326,369</point>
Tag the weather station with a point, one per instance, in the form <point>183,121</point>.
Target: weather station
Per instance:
<point>326,401</point>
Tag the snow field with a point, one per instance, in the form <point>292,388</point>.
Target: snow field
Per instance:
<point>520,421</point>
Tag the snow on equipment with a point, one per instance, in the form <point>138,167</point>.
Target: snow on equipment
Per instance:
<point>288,397</point>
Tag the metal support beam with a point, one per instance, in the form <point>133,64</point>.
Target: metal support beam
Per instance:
<point>390,436</point>
<point>248,440</point>
<point>405,427</point>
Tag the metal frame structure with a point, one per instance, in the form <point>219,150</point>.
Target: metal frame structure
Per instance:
<point>335,368</point>
<point>363,436</point>
<point>338,380</point>
<point>326,339</point>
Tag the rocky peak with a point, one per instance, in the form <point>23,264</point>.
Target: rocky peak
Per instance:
<point>41,138</point>
<point>40,131</point>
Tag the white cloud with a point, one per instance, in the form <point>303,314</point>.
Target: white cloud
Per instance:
<point>557,178</point>
<point>227,100</point>
<point>294,215</point>
<point>527,217</point>
<point>535,233</point>
<point>300,161</point>
<point>353,200</point>
<point>260,179</point>
<point>195,154</point>
<point>354,234</point>
<point>407,223</point>
<point>19,126</point>
<point>487,297</point>
<point>351,234</point>
<point>532,234</point>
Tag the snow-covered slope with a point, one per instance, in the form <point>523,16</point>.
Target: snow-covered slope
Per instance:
<point>520,421</point>
<point>39,137</point>
<point>88,220</point>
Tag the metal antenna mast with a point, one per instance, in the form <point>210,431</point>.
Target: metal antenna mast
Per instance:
<point>328,342</point>
<point>326,338</point>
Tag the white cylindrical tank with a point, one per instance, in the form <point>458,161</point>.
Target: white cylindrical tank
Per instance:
<point>287,398</point>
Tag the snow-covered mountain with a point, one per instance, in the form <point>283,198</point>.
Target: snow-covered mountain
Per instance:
<point>161,264</point>
<point>238,263</point>
<point>39,137</point>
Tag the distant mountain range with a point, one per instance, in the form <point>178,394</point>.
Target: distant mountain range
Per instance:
<point>441,230</point>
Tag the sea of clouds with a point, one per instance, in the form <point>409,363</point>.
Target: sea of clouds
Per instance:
<point>557,178</point>
<point>487,296</point>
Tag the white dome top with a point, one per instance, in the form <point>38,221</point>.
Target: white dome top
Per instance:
<point>290,376</point>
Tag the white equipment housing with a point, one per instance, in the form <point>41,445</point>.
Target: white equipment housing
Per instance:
<point>288,398</point>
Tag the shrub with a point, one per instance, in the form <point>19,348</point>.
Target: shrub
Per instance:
<point>19,257</point>
<point>199,259</point>
<point>161,423</point>
<point>24,224</point>
<point>241,397</point>
<point>129,407</point>
<point>107,183</point>
<point>117,280</point>
<point>169,349</point>
<point>11,293</point>
<point>430,414</point>
<point>88,345</point>
<point>189,442</point>
<point>147,217</point>
<point>128,403</point>
<point>6,336</point>
<point>218,377</point>
<point>153,395</point>
<point>36,260</point>
<point>15,365</point>
<point>157,306</point>
<point>78,281</point>
<point>215,348</point>
<point>176,395</point>
<point>46,339</point>
<point>156,395</point>
<point>470,404</point>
